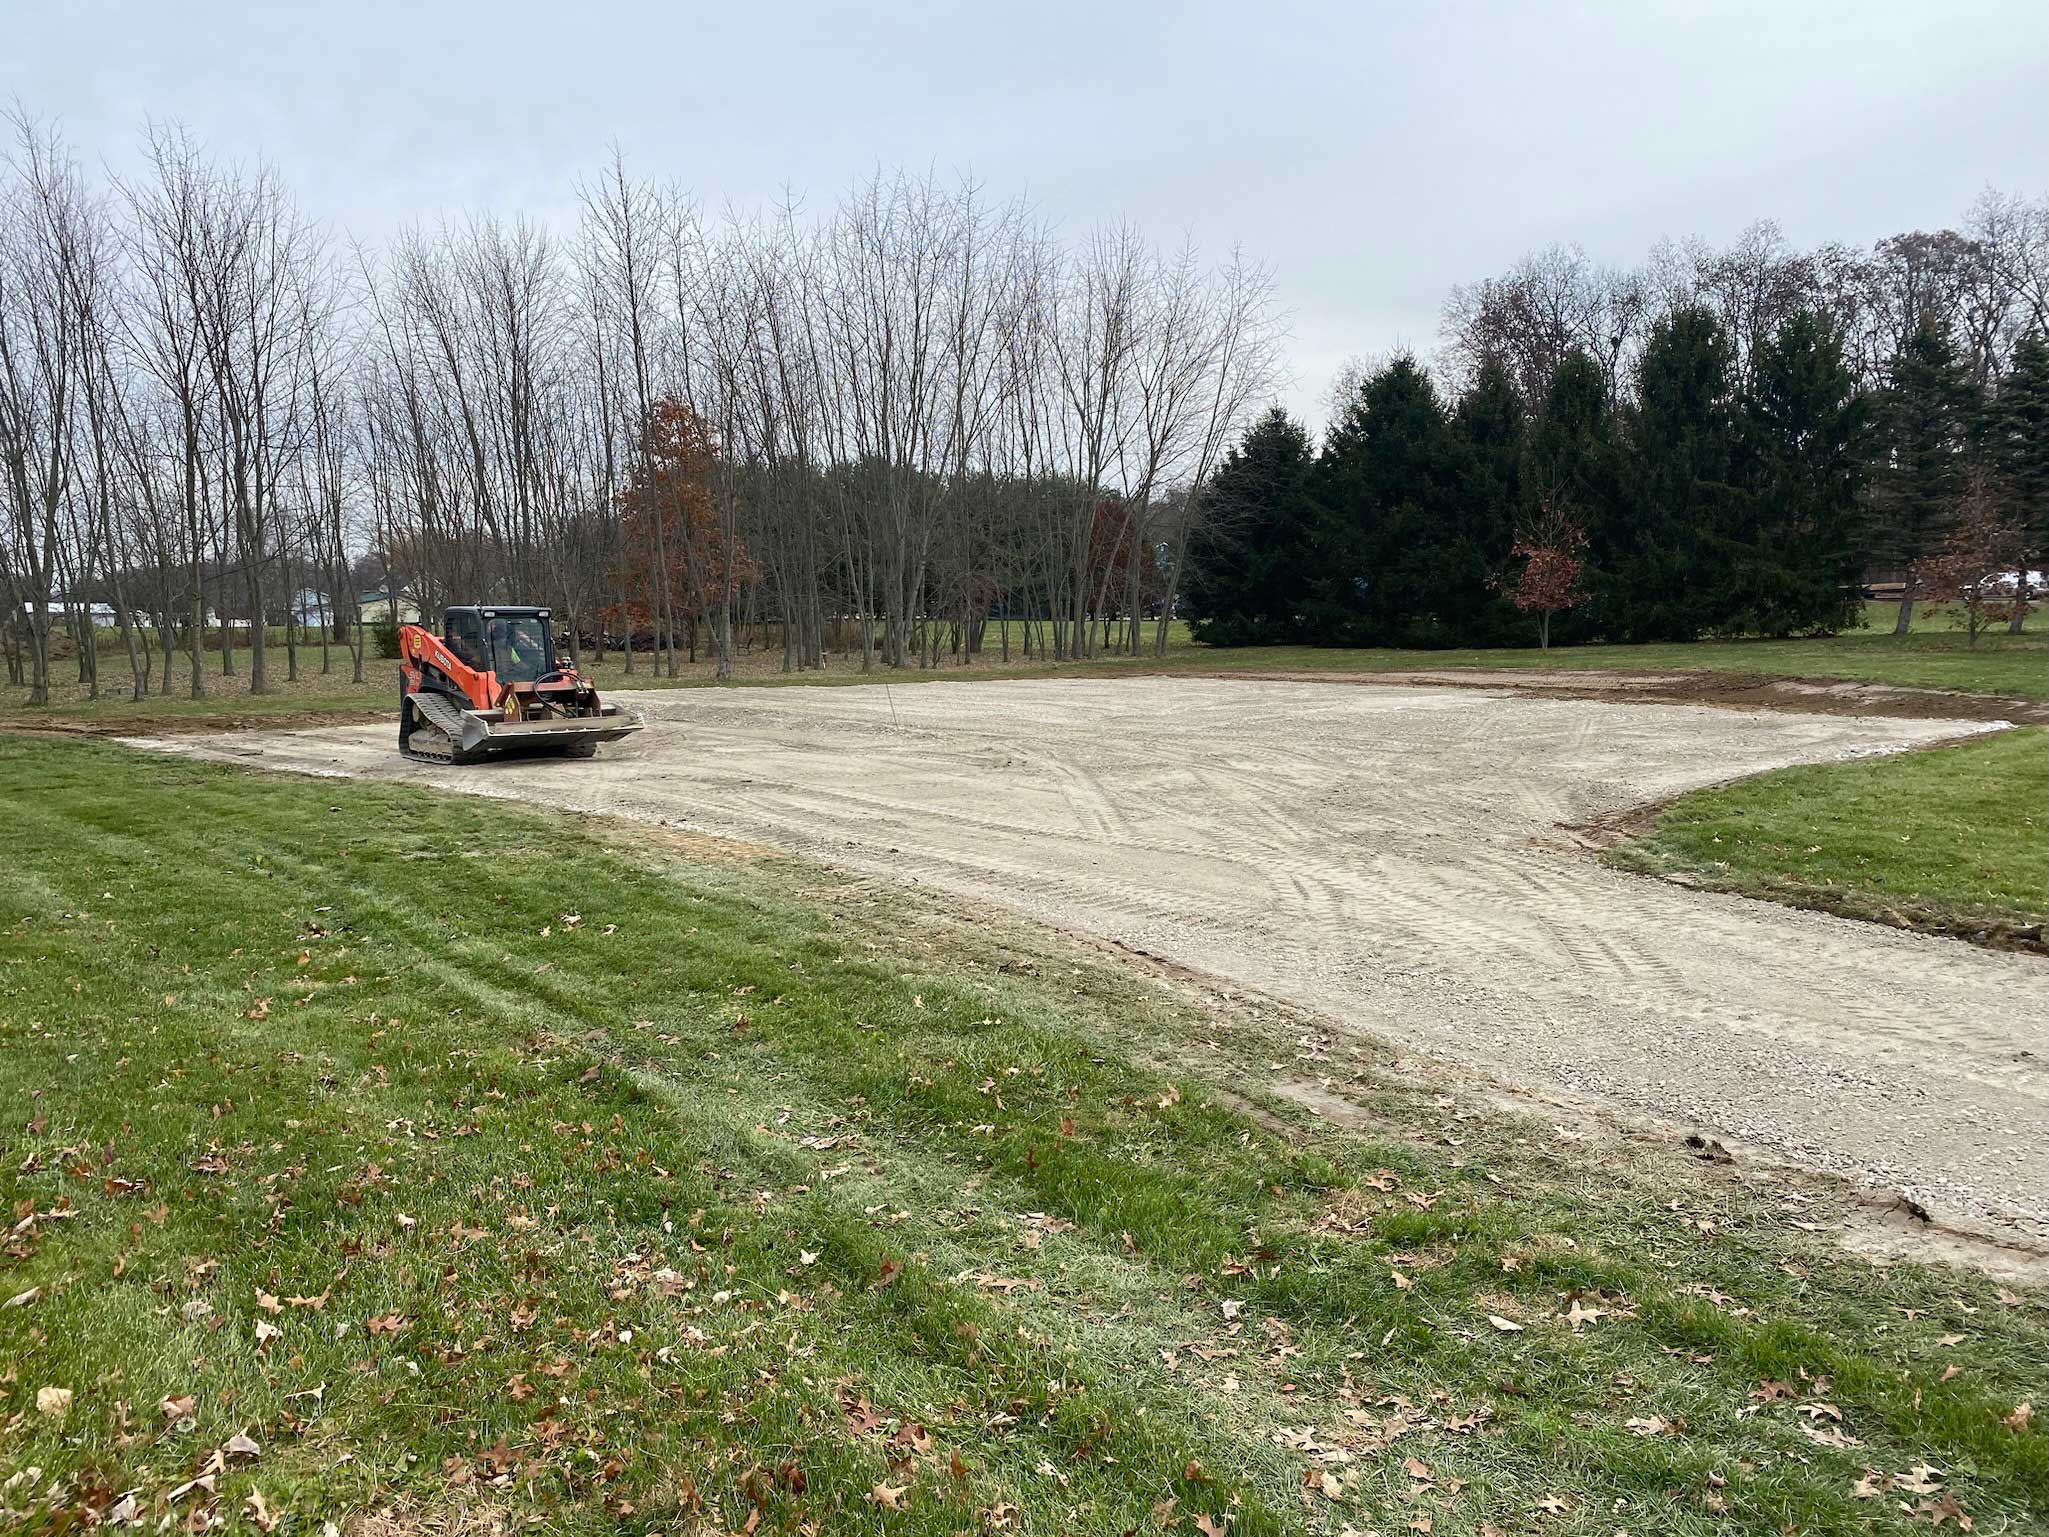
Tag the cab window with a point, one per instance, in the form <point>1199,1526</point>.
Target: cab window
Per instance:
<point>519,648</point>
<point>465,637</point>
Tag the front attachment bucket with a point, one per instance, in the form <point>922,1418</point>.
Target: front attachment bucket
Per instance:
<point>487,734</point>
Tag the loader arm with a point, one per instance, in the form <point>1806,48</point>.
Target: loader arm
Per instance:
<point>427,661</point>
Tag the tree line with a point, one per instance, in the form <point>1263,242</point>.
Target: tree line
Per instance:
<point>1722,442</point>
<point>888,422</point>
<point>881,427</point>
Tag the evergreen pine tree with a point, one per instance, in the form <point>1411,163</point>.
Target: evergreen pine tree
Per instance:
<point>1670,557</point>
<point>1926,416</point>
<point>1250,575</point>
<point>1393,489</point>
<point>2017,446</point>
<point>1569,456</point>
<point>1489,419</point>
<point>1800,555</point>
<point>1570,460</point>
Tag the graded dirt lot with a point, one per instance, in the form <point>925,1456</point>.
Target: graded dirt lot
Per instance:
<point>1392,858</point>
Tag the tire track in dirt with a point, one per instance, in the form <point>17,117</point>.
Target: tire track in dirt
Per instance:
<point>1389,857</point>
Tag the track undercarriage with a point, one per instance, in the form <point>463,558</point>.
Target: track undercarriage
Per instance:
<point>435,729</point>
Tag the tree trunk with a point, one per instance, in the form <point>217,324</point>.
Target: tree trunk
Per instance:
<point>39,651</point>
<point>227,628</point>
<point>197,636</point>
<point>138,656</point>
<point>258,682</point>
<point>625,611</point>
<point>195,571</point>
<point>77,647</point>
<point>291,628</point>
<point>722,633</point>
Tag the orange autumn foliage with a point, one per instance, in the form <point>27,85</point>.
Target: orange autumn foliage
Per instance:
<point>670,519</point>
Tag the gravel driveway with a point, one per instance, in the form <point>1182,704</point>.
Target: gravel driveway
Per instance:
<point>1389,857</point>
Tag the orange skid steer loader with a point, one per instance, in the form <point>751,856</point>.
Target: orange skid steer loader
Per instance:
<point>490,685</point>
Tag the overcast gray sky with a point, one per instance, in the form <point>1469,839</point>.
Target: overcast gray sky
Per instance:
<point>1372,154</point>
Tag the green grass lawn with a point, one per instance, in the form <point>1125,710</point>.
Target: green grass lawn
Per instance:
<point>1936,655</point>
<point>1951,839</point>
<point>371,1150</point>
<point>2014,666</point>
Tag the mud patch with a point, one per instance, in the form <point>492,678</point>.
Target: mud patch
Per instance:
<point>1717,690</point>
<point>117,726</point>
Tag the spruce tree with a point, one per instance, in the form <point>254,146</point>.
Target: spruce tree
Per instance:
<point>2017,446</point>
<point>1489,420</point>
<point>1570,460</point>
<point>1394,487</point>
<point>1925,421</point>
<point>1671,557</point>
<point>1250,574</point>
<point>1800,556</point>
<point>1570,452</point>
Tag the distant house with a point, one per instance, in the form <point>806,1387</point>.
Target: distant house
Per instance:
<point>99,613</point>
<point>383,608</point>
<point>311,609</point>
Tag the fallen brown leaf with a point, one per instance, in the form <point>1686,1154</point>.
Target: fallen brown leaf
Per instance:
<point>1944,1509</point>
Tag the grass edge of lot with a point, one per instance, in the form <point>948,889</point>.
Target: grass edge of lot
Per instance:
<point>1947,839</point>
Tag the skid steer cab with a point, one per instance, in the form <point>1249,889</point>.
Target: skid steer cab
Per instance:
<point>490,685</point>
